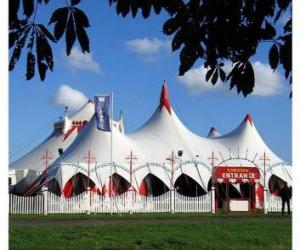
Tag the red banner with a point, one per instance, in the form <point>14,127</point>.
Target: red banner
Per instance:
<point>237,173</point>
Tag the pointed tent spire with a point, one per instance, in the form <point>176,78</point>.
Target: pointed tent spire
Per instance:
<point>164,98</point>
<point>249,119</point>
<point>213,133</point>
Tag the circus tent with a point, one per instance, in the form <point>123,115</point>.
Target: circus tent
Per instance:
<point>26,169</point>
<point>100,159</point>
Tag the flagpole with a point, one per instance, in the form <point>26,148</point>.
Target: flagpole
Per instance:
<point>111,153</point>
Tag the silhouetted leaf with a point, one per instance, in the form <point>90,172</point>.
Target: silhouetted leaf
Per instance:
<point>270,30</point>
<point>222,74</point>
<point>288,26</point>
<point>13,37</point>
<point>81,18</point>
<point>134,7</point>
<point>123,7</point>
<point>82,38</point>
<point>30,66</point>
<point>18,49</point>
<point>171,26</point>
<point>46,33</point>
<point>285,52</point>
<point>249,79</point>
<point>146,8</point>
<point>209,74</point>
<point>13,11</point>
<point>215,77</point>
<point>70,35</point>
<point>274,56</point>
<point>28,7</point>
<point>75,2</point>
<point>58,15</point>
<point>177,40</point>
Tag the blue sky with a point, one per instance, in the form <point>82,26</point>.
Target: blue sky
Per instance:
<point>131,57</point>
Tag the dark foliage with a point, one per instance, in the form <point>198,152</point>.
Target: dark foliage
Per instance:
<point>211,30</point>
<point>68,20</point>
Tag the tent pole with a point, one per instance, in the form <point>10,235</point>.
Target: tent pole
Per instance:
<point>111,154</point>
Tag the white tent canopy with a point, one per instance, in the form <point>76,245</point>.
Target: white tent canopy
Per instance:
<point>154,141</point>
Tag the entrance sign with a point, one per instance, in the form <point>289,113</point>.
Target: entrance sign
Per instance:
<point>237,174</point>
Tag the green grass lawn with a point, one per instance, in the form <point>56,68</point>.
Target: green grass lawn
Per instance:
<point>136,216</point>
<point>208,234</point>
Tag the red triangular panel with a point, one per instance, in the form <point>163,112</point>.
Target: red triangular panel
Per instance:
<point>143,188</point>
<point>164,98</point>
<point>68,189</point>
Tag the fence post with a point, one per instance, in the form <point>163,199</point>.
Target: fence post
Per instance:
<point>89,200</point>
<point>213,199</point>
<point>45,194</point>
<point>265,201</point>
<point>172,200</point>
<point>130,200</point>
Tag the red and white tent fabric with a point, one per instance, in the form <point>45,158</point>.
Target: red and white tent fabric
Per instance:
<point>152,143</point>
<point>27,168</point>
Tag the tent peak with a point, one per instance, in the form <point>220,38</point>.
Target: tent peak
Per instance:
<point>249,119</point>
<point>213,133</point>
<point>164,98</point>
<point>212,129</point>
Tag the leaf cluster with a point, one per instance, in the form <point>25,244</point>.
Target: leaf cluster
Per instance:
<point>215,31</point>
<point>219,31</point>
<point>23,30</point>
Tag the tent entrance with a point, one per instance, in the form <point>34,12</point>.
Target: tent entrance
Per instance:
<point>236,188</point>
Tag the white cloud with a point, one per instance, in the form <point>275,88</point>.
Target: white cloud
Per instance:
<point>148,49</point>
<point>80,61</point>
<point>267,82</point>
<point>67,96</point>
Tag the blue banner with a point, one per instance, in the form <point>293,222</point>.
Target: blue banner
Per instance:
<point>102,105</point>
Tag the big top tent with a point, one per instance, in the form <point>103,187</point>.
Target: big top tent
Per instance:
<point>167,155</point>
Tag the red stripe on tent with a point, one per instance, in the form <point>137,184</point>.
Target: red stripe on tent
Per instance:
<point>69,132</point>
<point>75,125</point>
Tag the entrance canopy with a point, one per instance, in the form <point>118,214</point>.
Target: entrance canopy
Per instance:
<point>236,174</point>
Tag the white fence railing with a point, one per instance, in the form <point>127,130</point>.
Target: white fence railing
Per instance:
<point>192,204</point>
<point>274,204</point>
<point>26,205</point>
<point>129,202</point>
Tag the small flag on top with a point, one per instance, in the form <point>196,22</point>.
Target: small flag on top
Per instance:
<point>102,104</point>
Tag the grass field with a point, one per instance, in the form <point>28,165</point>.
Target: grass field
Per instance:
<point>153,231</point>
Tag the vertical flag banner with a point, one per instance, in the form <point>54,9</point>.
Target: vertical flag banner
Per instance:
<point>102,105</point>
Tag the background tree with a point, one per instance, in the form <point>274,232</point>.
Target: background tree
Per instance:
<point>215,31</point>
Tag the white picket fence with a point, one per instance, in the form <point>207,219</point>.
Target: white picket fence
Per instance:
<point>129,202</point>
<point>192,204</point>
<point>274,204</point>
<point>26,205</point>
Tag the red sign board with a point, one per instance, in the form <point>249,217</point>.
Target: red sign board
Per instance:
<point>237,173</point>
